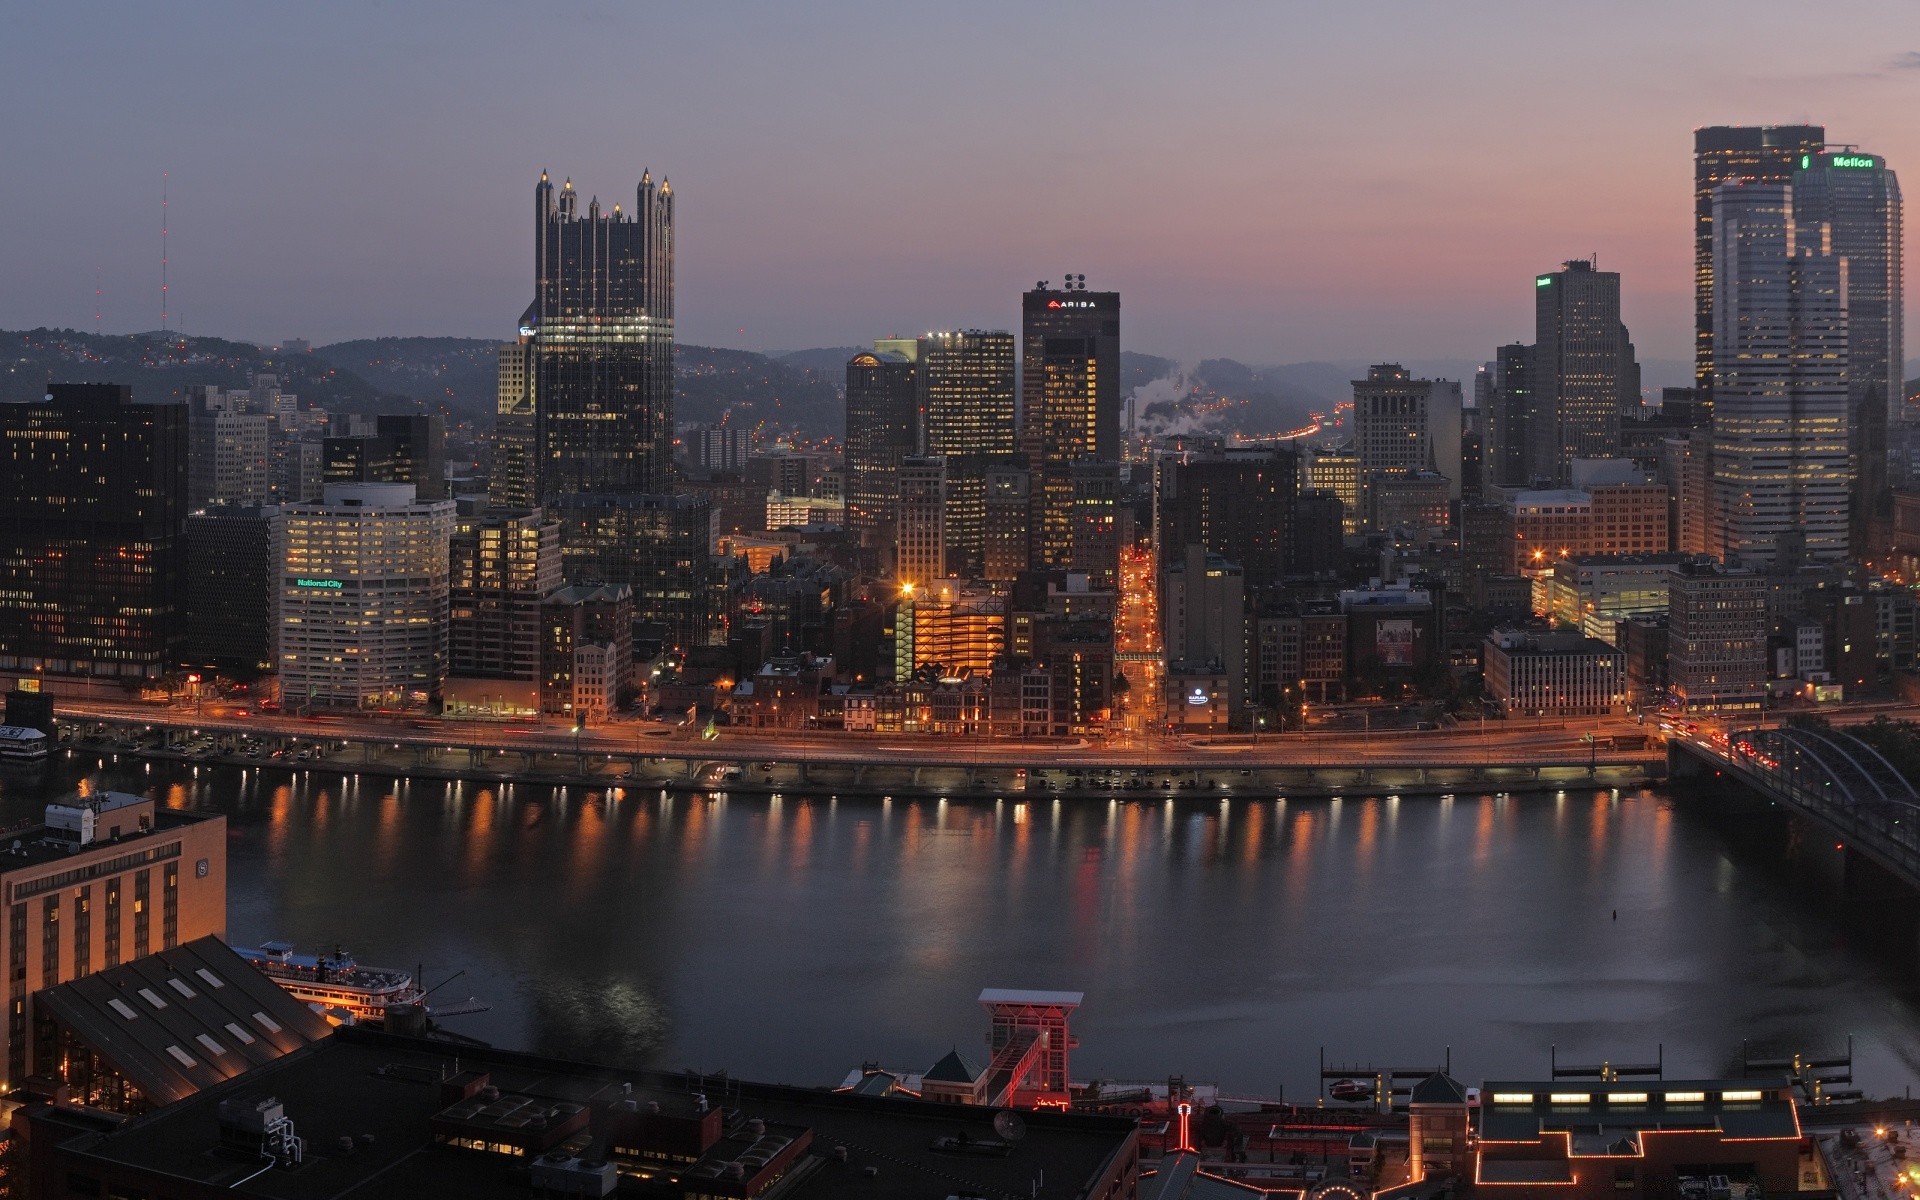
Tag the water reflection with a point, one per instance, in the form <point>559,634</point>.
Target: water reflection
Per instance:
<point>790,937</point>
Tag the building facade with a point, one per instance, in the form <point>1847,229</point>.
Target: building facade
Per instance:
<point>232,581</point>
<point>513,480</point>
<point>967,393</point>
<point>92,547</point>
<point>1781,465</point>
<point>1716,638</point>
<point>1558,674</point>
<point>603,341</point>
<point>1583,374</point>
<point>363,594</point>
<point>882,430</point>
<point>1733,154</point>
<point>1070,411</point>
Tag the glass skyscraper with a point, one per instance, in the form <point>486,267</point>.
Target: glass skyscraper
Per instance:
<point>1733,154</point>
<point>1780,467</point>
<point>602,334</point>
<point>1583,375</point>
<point>1852,201</point>
<point>1070,412</point>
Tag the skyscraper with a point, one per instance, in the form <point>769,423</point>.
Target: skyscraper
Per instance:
<point>920,520</point>
<point>512,482</point>
<point>603,342</point>
<point>1583,373</point>
<point>1780,466</point>
<point>882,422</point>
<point>1070,410</point>
<point>1733,154</point>
<point>966,392</point>
<point>92,513</point>
<point>1855,201</point>
<point>1505,421</point>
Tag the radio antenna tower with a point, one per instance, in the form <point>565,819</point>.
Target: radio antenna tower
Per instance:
<point>163,252</point>
<point>96,302</point>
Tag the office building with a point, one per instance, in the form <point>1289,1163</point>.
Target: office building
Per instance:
<point>1595,593</point>
<point>1409,503</point>
<point>84,888</point>
<point>882,430</point>
<point>233,579</point>
<point>803,512</point>
<point>1553,674</point>
<point>229,449</point>
<point>441,1119</point>
<point>585,645</point>
<point>512,481</point>
<point>1240,503</point>
<point>1616,518</point>
<point>1506,457</point>
<point>603,342</point>
<point>1203,615</point>
<point>1004,509</point>
<point>1780,468</point>
<point>504,566</point>
<point>1070,412</point>
<point>920,521</point>
<point>718,449</point>
<point>1853,200</point>
<point>1724,154</point>
<point>1403,424</point>
<point>660,547</point>
<point>363,599</point>
<point>1716,637</point>
<point>1337,472</point>
<point>1583,375</point>
<point>92,518</point>
<point>401,449</point>
<point>966,393</point>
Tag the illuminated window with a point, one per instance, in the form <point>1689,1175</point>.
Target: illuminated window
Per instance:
<point>1736,1097</point>
<point>1571,1097</point>
<point>1627,1098</point>
<point>1513,1097</point>
<point>1685,1097</point>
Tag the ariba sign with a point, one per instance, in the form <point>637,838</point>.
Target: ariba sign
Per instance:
<point>1070,304</point>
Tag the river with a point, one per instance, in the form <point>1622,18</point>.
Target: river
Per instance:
<point>790,938</point>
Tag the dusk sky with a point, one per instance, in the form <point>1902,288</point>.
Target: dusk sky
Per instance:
<point>1271,181</point>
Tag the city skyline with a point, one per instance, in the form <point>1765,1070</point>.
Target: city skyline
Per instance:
<point>354,210</point>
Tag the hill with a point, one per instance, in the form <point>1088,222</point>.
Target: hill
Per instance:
<point>459,374</point>
<point>165,367</point>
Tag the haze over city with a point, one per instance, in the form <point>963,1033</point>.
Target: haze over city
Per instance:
<point>1270,182</point>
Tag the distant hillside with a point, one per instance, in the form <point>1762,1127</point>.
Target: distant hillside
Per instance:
<point>165,367</point>
<point>459,374</point>
<point>830,360</point>
<point>753,391</point>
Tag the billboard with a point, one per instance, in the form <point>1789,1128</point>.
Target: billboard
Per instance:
<point>1393,642</point>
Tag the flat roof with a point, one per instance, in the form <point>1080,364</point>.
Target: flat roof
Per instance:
<point>1022,996</point>
<point>359,1082</point>
<point>1738,1108</point>
<point>42,844</point>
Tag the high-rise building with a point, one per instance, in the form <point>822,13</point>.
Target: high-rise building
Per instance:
<point>1337,472</point>
<point>512,482</point>
<point>920,520</point>
<point>1203,613</point>
<point>586,650</point>
<point>1853,200</point>
<point>1402,424</point>
<point>229,449</point>
<point>603,342</point>
<point>1733,154</point>
<point>1780,463</point>
<point>404,448</point>
<point>882,423</point>
<point>92,512</point>
<point>232,581</point>
<point>1240,503</point>
<point>1004,510</point>
<point>1716,634</point>
<point>504,565</point>
<point>1506,418</point>
<point>718,449</point>
<point>1583,371</point>
<point>966,393</point>
<point>657,546</point>
<point>363,598</point>
<point>1070,410</point>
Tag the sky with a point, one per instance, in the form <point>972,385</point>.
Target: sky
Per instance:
<point>1275,181</point>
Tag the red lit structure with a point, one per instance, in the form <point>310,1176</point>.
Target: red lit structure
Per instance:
<point>1030,1040</point>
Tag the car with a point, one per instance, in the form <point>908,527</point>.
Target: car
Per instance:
<point>177,747</point>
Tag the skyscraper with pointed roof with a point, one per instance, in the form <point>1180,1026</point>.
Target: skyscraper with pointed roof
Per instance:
<point>602,349</point>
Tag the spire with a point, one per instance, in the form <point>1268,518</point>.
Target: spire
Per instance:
<point>568,184</point>
<point>666,188</point>
<point>646,177</point>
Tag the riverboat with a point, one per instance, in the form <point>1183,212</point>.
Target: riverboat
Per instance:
<point>19,744</point>
<point>333,983</point>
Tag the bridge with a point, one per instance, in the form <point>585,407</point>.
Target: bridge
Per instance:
<point>1833,778</point>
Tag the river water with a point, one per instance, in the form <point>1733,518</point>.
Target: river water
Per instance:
<point>790,938</point>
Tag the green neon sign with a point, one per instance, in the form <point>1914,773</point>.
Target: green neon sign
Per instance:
<point>1542,280</point>
<point>332,585</point>
<point>1854,161</point>
<point>1806,160</point>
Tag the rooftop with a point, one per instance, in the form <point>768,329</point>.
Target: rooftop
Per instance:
<point>367,1105</point>
<point>1603,1114</point>
<point>59,837</point>
<point>183,1019</point>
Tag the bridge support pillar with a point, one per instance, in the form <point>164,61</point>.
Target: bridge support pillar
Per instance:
<point>859,772</point>
<point>803,771</point>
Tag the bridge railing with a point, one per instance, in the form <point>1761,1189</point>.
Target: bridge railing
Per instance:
<point>1834,781</point>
